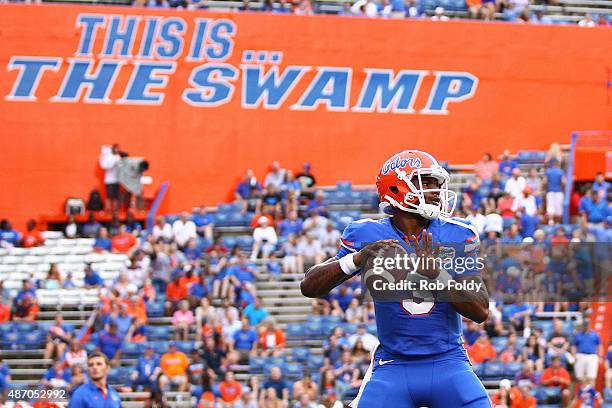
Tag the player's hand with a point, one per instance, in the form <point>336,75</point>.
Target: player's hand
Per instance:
<point>428,253</point>
<point>373,250</point>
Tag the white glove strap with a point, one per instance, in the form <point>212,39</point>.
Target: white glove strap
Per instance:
<point>347,264</point>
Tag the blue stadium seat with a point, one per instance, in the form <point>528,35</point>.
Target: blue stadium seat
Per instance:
<point>90,347</point>
<point>275,361</point>
<point>329,319</point>
<point>158,333</point>
<point>315,362</point>
<point>293,371</point>
<point>552,392</point>
<point>228,208</point>
<point>510,369</point>
<point>245,242</point>
<point>499,343</point>
<point>115,375</point>
<point>6,328</point>
<point>493,371</point>
<point>429,5</point>
<point>350,328</point>
<point>185,346</point>
<point>256,364</point>
<point>155,309</point>
<point>160,347</point>
<point>26,327</point>
<point>221,220</point>
<point>607,394</point>
<point>300,353</point>
<point>478,369</point>
<point>372,329</point>
<point>344,186</point>
<point>31,341</point>
<point>295,330</point>
<point>315,329</point>
<point>230,242</point>
<point>132,350</point>
<point>10,341</point>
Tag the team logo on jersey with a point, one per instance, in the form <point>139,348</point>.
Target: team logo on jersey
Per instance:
<point>414,162</point>
<point>446,253</point>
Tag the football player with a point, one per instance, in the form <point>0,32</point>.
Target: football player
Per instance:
<point>420,360</point>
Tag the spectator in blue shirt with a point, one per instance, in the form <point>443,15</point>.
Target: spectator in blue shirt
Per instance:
<point>110,343</point>
<point>512,236</point>
<point>57,376</point>
<point>91,227</point>
<point>243,192</point>
<point>8,235</point>
<point>256,312</point>
<point>103,242</point>
<point>555,180</point>
<point>27,289</point>
<point>586,349</point>
<point>92,278</point>
<point>245,341</point>
<point>506,164</point>
<point>601,186</point>
<point>123,321</point>
<point>593,207</point>
<point>290,225</point>
<point>318,205</point>
<point>204,223</point>
<point>529,224</point>
<point>96,393</point>
<point>198,290</point>
<point>146,371</point>
<point>5,379</point>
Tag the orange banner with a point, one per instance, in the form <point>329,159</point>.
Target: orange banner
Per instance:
<point>204,96</point>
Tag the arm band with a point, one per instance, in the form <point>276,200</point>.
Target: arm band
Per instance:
<point>347,264</point>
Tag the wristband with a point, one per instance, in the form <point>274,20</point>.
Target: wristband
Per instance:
<point>347,264</point>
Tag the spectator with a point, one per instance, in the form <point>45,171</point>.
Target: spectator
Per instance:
<point>124,242</point>
<point>330,241</point>
<point>174,366</point>
<point>601,186</point>
<point>256,312</point>
<point>5,380</point>
<point>607,375</point>
<point>230,389</point>
<point>535,352</point>
<point>175,292</point>
<point>471,333</point>
<point>146,371</point>
<point>264,239</point>
<point>109,157</point>
<point>305,386</point>
<point>271,339</point>
<point>586,396</point>
<point>275,177</point>
<point>525,203</point>
<point>309,251</point>
<point>72,228</point>
<point>290,183</point>
<point>32,237</point>
<point>76,355</point>
<point>248,193</point>
<point>197,368</point>
<point>244,341</point>
<point>271,201</point>
<point>304,400</point>
<point>110,343</point>
<point>57,376</point>
<point>515,185</point>
<point>214,356</point>
<point>521,397</point>
<point>511,351</point>
<point>526,373</point>
<point>204,223</point>
<point>505,205</point>
<point>502,397</point>
<point>439,15</point>
<point>92,279</point>
<point>528,224</point>
<point>103,243</point>
<point>482,350</point>
<point>507,164</point>
<point>290,225</point>
<point>5,311</point>
<point>318,205</point>
<point>94,202</point>
<point>540,18</point>
<point>9,237</point>
<point>91,227</point>
<point>512,235</point>
<point>535,182</point>
<point>557,376</point>
<point>183,230</point>
<point>554,181</point>
<point>369,340</point>
<point>291,259</point>
<point>307,181</point>
<point>57,339</point>
<point>162,230</point>
<point>26,310</point>
<point>585,348</point>
<point>558,341</point>
<point>182,321</point>
<point>53,280</point>
<point>593,208</point>
<point>587,21</point>
<point>276,382</point>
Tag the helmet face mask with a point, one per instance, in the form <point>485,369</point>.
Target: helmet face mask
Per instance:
<point>408,188</point>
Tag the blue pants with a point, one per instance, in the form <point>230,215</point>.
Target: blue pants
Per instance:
<point>436,382</point>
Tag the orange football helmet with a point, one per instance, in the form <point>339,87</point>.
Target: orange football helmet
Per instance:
<point>400,184</point>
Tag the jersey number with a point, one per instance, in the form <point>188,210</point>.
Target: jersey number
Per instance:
<point>421,303</point>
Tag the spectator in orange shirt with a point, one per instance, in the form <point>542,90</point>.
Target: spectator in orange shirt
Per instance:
<point>557,376</point>
<point>482,350</point>
<point>174,366</point>
<point>5,311</point>
<point>188,279</point>
<point>32,237</point>
<point>124,242</point>
<point>135,306</point>
<point>229,388</point>
<point>175,292</point>
<point>521,396</point>
<point>271,339</point>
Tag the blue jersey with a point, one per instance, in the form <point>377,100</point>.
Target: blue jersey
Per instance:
<point>89,395</point>
<point>409,328</point>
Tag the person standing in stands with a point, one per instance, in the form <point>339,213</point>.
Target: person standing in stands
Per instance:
<point>96,393</point>
<point>555,182</point>
<point>109,157</point>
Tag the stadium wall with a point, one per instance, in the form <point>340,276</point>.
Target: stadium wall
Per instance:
<point>205,96</point>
